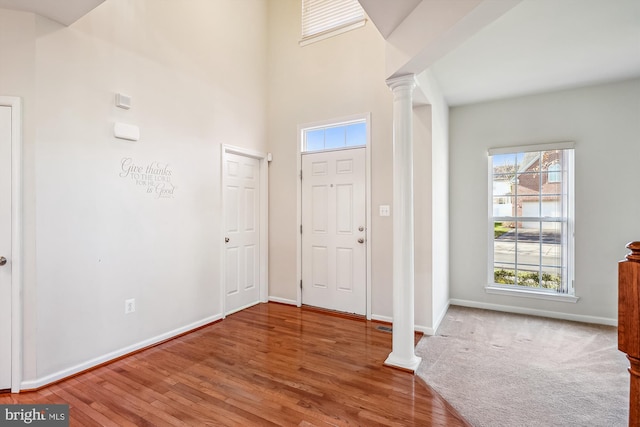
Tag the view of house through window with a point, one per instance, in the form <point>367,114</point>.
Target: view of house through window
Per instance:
<point>332,137</point>
<point>531,223</point>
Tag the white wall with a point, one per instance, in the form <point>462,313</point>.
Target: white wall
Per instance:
<point>101,237</point>
<point>333,78</point>
<point>439,197</point>
<point>431,188</point>
<point>423,216</point>
<point>603,122</point>
<point>17,78</point>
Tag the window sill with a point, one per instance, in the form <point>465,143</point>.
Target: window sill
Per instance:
<point>332,32</point>
<point>498,290</point>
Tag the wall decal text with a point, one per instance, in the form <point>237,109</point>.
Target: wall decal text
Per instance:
<point>155,177</point>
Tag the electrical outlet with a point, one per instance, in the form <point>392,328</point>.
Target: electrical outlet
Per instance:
<point>129,306</point>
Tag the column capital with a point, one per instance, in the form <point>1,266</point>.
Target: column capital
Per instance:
<point>407,81</point>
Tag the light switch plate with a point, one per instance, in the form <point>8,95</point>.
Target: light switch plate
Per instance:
<point>385,210</point>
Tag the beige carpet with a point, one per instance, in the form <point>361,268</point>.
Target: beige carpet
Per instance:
<point>501,369</point>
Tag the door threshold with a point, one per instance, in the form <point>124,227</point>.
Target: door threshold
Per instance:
<point>335,313</point>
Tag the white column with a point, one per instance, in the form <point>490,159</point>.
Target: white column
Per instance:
<point>402,354</point>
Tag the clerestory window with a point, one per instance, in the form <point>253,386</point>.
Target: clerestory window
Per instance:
<point>326,18</point>
<point>531,218</point>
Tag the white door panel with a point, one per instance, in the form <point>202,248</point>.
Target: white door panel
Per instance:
<point>242,223</point>
<point>334,230</point>
<point>5,247</point>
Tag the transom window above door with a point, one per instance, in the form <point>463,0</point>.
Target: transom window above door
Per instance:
<point>335,136</point>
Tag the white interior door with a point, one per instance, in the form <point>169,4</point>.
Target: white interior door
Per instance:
<point>5,247</point>
<point>334,230</point>
<point>242,231</point>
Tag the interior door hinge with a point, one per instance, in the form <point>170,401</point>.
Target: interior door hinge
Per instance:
<point>300,174</point>
<point>300,283</point>
<point>300,228</point>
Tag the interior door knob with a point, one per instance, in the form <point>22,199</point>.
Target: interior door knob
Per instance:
<point>3,260</point>
<point>360,240</point>
<point>226,240</point>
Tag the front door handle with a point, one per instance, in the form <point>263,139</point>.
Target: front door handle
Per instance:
<point>3,260</point>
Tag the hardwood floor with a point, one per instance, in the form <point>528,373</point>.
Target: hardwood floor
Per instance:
<point>270,364</point>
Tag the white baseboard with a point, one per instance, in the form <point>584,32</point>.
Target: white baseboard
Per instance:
<point>425,330</point>
<point>440,318</point>
<point>535,312</point>
<point>283,300</point>
<point>385,319</point>
<point>242,308</point>
<point>65,373</point>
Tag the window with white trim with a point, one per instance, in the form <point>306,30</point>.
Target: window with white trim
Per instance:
<point>335,136</point>
<point>326,18</point>
<point>531,218</point>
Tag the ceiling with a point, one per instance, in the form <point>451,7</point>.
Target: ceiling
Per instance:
<point>544,45</point>
<point>65,12</point>
<point>504,48</point>
<point>388,18</point>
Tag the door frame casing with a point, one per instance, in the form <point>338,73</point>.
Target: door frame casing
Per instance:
<point>263,277</point>
<point>301,128</point>
<point>15,104</point>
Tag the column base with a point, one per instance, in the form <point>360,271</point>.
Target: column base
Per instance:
<point>405,364</point>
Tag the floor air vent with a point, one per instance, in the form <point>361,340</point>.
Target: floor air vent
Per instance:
<point>384,328</point>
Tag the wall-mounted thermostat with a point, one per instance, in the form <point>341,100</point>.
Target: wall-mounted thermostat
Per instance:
<point>125,131</point>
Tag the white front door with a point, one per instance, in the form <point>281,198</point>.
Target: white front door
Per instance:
<point>334,230</point>
<point>241,183</point>
<point>5,247</point>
